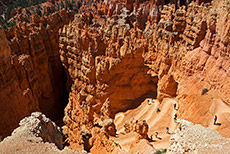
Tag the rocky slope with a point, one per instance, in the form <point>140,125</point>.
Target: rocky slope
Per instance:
<point>190,138</point>
<point>32,77</point>
<point>36,134</point>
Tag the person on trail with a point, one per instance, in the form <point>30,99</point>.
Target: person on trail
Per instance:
<point>175,116</point>
<point>215,119</point>
<point>149,102</point>
<point>175,106</point>
<point>167,130</point>
<point>156,133</point>
<point>127,127</point>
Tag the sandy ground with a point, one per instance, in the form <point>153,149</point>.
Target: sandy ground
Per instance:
<point>222,111</point>
<point>158,121</point>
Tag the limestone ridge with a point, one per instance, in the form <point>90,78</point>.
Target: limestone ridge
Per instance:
<point>40,126</point>
<point>36,134</point>
<point>190,138</point>
<point>31,70</point>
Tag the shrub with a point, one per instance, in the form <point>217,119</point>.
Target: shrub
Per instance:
<point>204,91</point>
<point>158,110</point>
<point>161,151</point>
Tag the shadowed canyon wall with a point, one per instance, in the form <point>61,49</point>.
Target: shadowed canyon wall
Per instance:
<point>32,76</point>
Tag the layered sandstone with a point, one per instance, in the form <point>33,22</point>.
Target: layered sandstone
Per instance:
<point>108,72</point>
<point>32,77</point>
<point>118,54</point>
<point>11,93</point>
<point>115,67</point>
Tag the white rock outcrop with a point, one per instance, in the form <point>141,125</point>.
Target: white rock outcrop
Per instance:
<point>192,138</point>
<point>36,134</point>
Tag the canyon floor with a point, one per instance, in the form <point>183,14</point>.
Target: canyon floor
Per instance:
<point>158,121</point>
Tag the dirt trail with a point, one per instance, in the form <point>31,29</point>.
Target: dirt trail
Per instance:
<point>222,111</point>
<point>157,121</point>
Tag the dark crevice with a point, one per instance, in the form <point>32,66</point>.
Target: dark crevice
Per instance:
<point>182,2</point>
<point>60,82</point>
<point>137,102</point>
<point>85,138</point>
<point>61,86</point>
<point>167,2</point>
<point>133,104</point>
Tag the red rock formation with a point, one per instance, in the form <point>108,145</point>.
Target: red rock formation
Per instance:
<point>100,142</point>
<point>108,72</point>
<point>140,127</point>
<point>206,67</point>
<point>12,94</point>
<point>114,66</point>
<point>116,58</point>
<point>31,70</point>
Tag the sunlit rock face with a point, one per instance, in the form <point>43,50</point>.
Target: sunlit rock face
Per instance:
<point>111,58</point>
<point>116,60</point>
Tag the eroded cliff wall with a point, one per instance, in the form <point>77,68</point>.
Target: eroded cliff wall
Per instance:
<point>108,71</point>
<point>15,101</point>
<point>116,57</point>
<point>115,61</point>
<point>32,76</point>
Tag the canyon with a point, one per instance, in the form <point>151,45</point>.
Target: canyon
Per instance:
<point>119,71</point>
<point>32,76</point>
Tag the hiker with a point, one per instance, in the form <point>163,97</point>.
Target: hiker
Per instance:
<point>156,133</point>
<point>215,119</point>
<point>136,126</point>
<point>149,102</point>
<point>175,116</point>
<point>167,130</point>
<point>179,126</point>
<point>175,106</point>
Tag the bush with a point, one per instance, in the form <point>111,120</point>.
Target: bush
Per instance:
<point>161,151</point>
<point>158,110</point>
<point>204,91</point>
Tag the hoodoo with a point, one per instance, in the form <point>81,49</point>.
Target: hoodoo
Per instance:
<point>115,76</point>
